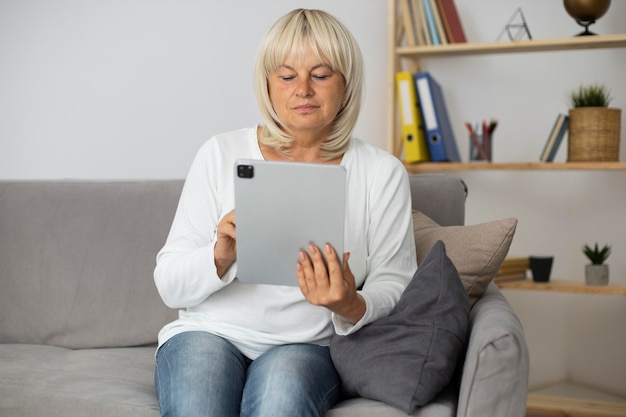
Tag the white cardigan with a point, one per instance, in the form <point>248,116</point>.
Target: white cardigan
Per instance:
<point>378,235</point>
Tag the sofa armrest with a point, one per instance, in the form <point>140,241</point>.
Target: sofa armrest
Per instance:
<point>495,373</point>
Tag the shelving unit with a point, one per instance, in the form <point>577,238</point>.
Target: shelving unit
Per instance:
<point>514,166</point>
<point>563,399</point>
<point>562,285</point>
<point>567,399</point>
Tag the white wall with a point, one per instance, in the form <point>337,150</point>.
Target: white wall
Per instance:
<point>131,88</point>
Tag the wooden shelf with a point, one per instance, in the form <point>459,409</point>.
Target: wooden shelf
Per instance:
<point>568,399</point>
<point>561,285</point>
<point>572,407</point>
<point>511,166</point>
<point>535,45</point>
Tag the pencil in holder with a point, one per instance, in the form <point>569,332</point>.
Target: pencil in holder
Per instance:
<point>480,147</point>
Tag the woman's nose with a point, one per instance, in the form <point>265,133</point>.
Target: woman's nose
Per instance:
<point>303,89</point>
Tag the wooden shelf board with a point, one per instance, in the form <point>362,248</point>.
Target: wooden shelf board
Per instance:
<point>561,285</point>
<point>574,400</point>
<point>534,45</point>
<point>511,166</point>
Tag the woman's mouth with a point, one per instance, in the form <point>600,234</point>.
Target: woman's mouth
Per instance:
<point>305,108</point>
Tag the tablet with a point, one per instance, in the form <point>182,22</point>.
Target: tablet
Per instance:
<point>280,207</point>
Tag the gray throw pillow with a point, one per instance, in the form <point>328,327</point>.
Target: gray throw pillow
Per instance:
<point>408,357</point>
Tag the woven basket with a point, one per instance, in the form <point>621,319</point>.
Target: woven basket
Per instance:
<point>594,134</point>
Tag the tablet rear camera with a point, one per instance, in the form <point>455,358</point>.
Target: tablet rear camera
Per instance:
<point>245,171</point>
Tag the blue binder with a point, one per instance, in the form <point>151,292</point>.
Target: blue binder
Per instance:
<point>441,141</point>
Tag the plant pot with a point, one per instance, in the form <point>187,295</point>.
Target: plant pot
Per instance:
<point>594,134</point>
<point>541,267</point>
<point>597,274</point>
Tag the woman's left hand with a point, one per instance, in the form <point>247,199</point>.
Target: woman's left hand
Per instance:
<point>334,286</point>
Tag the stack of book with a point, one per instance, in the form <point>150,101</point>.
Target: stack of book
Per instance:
<point>513,268</point>
<point>431,22</point>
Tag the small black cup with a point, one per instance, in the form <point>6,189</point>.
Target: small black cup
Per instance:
<point>541,267</point>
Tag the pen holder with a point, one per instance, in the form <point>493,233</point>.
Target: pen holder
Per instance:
<point>481,147</point>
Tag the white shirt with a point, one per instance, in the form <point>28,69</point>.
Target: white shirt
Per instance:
<point>378,235</point>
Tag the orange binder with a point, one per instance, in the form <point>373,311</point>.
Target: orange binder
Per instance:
<point>413,134</point>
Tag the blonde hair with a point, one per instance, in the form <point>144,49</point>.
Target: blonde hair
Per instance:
<point>291,35</point>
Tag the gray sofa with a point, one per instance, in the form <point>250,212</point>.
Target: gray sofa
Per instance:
<point>79,312</point>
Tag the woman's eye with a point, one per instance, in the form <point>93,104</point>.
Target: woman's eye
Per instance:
<point>320,76</point>
<point>287,77</point>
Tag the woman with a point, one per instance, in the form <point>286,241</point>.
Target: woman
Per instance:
<point>262,350</point>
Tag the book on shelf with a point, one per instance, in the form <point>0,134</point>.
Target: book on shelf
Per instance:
<point>513,268</point>
<point>441,31</point>
<point>431,22</point>
<point>555,138</point>
<point>408,23</point>
<point>439,134</point>
<point>413,134</point>
<point>506,268</point>
<point>510,276</point>
<point>515,262</point>
<point>421,23</point>
<point>451,21</point>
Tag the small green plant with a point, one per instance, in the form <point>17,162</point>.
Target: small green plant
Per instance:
<point>596,255</point>
<point>594,95</point>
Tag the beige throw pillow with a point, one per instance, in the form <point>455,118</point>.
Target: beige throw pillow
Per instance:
<point>477,251</point>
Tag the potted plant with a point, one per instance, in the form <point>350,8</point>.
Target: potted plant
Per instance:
<point>597,273</point>
<point>594,127</point>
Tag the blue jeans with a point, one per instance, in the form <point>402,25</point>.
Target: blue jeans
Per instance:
<point>200,374</point>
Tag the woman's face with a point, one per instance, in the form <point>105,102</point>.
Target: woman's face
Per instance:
<point>306,95</point>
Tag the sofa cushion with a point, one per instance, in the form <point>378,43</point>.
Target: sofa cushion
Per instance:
<point>37,380</point>
<point>408,357</point>
<point>477,251</point>
<point>78,259</point>
<point>443,405</point>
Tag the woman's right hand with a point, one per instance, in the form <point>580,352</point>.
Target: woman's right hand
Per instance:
<point>225,251</point>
